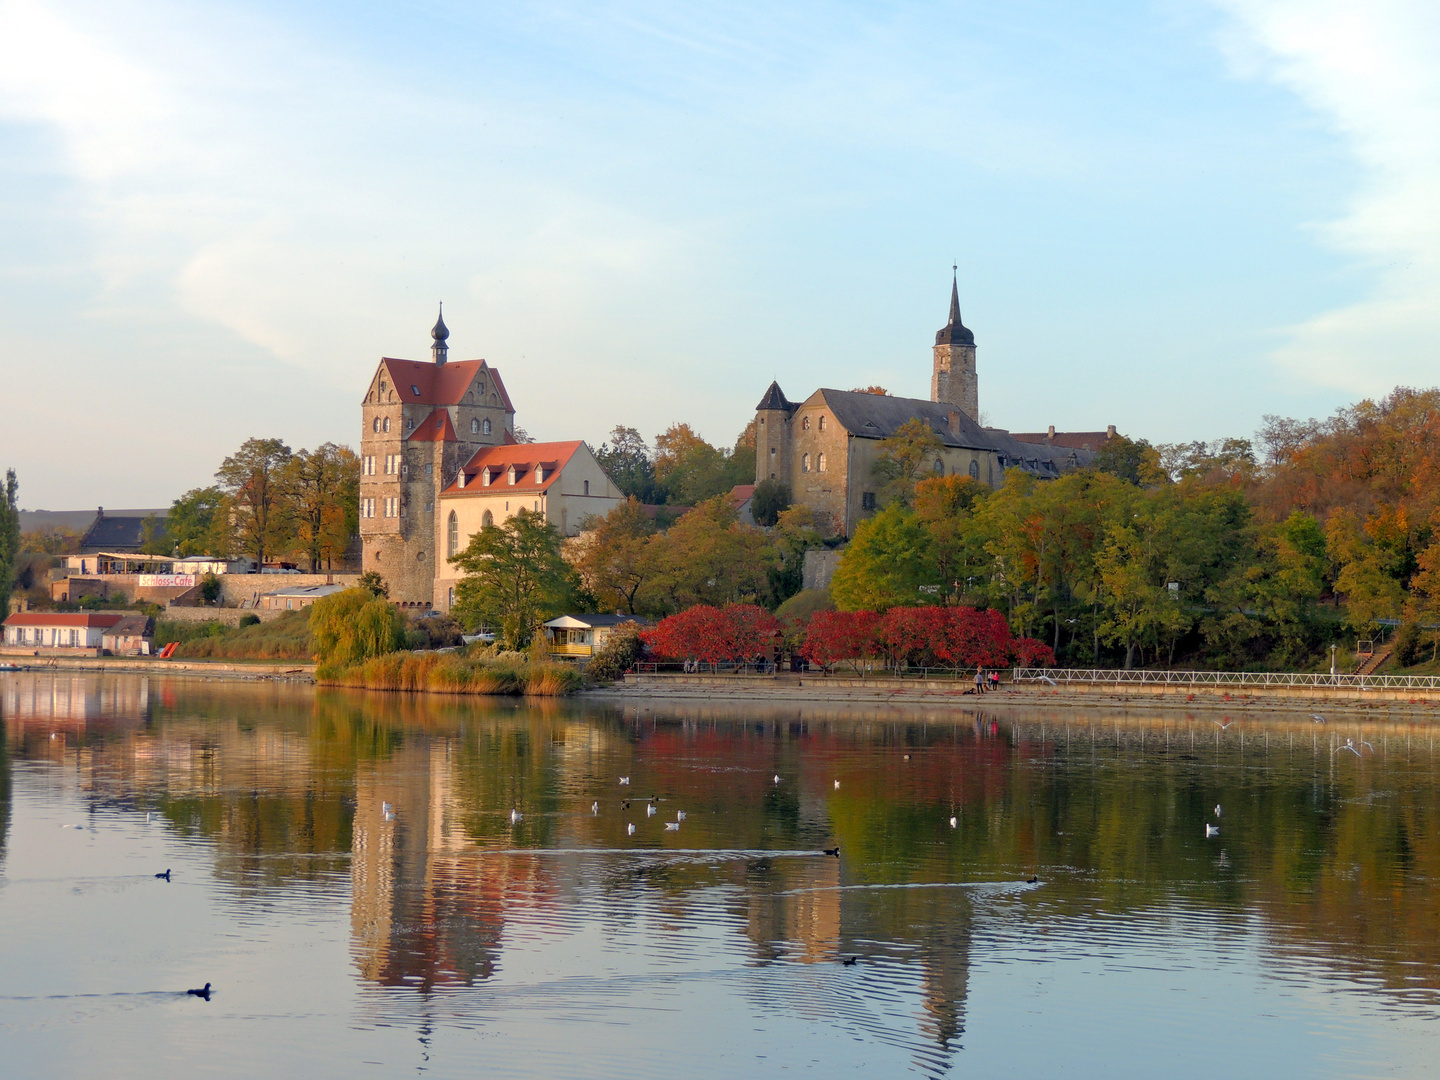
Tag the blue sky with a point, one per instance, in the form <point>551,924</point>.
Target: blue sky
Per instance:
<point>1174,217</point>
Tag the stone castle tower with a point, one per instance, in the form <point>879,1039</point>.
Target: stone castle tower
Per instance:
<point>954,380</point>
<point>421,422</point>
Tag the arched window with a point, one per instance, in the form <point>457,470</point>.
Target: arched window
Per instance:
<point>487,427</point>
<point>939,467</point>
<point>804,423</point>
<point>452,596</point>
<point>474,426</point>
<point>385,424</point>
<point>822,423</point>
<point>487,520</point>
<point>804,462</point>
<point>819,462</point>
<point>375,424</point>
<point>452,535</point>
<point>974,470</point>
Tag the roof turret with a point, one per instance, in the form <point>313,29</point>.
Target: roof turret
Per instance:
<point>774,399</point>
<point>955,332</point>
<point>440,333</point>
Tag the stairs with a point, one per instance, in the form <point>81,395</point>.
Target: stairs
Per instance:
<point>1374,661</point>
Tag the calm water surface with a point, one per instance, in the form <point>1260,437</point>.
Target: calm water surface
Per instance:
<point>347,874</point>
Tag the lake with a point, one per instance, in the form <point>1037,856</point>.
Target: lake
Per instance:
<point>386,885</point>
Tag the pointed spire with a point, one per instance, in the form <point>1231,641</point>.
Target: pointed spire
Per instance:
<point>955,332</point>
<point>440,334</point>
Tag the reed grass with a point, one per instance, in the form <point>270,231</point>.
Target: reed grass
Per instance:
<point>453,673</point>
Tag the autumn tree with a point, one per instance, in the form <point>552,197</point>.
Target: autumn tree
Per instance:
<point>905,458</point>
<point>253,479</point>
<point>515,577</point>
<point>9,533</point>
<point>625,457</point>
<point>351,626</point>
<point>616,556</point>
<point>323,489</point>
<point>709,557</point>
<point>195,523</point>
<point>887,562</point>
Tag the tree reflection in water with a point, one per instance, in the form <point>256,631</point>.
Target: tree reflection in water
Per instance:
<point>405,800</point>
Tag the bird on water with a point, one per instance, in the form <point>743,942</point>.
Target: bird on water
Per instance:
<point>165,875</point>
<point>1211,830</point>
<point>850,962</point>
<point>837,785</point>
<point>625,781</point>
<point>672,826</point>
<point>630,829</point>
<point>203,992</point>
<point>832,851</point>
<point>515,816</point>
<point>1217,809</point>
<point>1033,881</point>
<point>1317,718</point>
<point>594,807</point>
<point>954,822</point>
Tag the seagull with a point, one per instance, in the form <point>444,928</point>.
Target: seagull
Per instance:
<point>832,851</point>
<point>679,815</point>
<point>1211,830</point>
<point>1350,745</point>
<point>953,822</point>
<point>672,826</point>
<point>203,992</point>
<point>515,816</point>
<point>775,779</point>
<point>837,785</point>
<point>165,875</point>
<point>1223,726</point>
<point>1217,809</point>
<point>625,803</point>
<point>851,962</point>
<point>1047,679</point>
<point>649,809</point>
<point>907,757</point>
<point>1364,743</point>
<point>594,807</point>
<point>1317,718</point>
<point>625,781</point>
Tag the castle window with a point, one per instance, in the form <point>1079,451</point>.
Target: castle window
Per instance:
<point>820,463</point>
<point>474,427</point>
<point>382,386</point>
<point>429,468</point>
<point>537,506</point>
<point>975,470</point>
<point>804,423</point>
<point>939,467</point>
<point>375,424</point>
<point>822,423</point>
<point>587,487</point>
<point>487,519</point>
<point>385,424</point>
<point>486,430</point>
<point>867,500</point>
<point>452,596</point>
<point>409,425</point>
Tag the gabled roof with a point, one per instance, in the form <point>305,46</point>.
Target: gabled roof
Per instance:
<point>434,428</point>
<point>86,619</point>
<point>421,382</point>
<point>590,622</point>
<point>870,416</point>
<point>553,456</point>
<point>132,625</point>
<point>109,533</point>
<point>1075,440</point>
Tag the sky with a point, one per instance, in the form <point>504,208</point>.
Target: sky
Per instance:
<point>1174,216</point>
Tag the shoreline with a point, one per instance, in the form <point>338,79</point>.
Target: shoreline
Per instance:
<point>248,670</point>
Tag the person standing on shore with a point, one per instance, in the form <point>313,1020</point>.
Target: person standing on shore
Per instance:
<point>979,680</point>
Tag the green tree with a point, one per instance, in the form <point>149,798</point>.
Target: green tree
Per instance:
<point>351,626</point>
<point>794,534</point>
<point>770,498</point>
<point>9,533</point>
<point>259,504</point>
<point>323,487</point>
<point>1132,460</point>
<point>1371,559</point>
<point>374,584</point>
<point>615,556</point>
<point>155,537</point>
<point>626,460</point>
<point>515,578</point>
<point>886,563</point>
<point>708,557</point>
<point>905,458</point>
<point>195,523</point>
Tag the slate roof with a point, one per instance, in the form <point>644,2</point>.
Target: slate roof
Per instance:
<point>775,399</point>
<point>955,332</point>
<point>116,533</point>
<point>870,416</point>
<point>1042,459</point>
<point>132,626</point>
<point>1076,440</point>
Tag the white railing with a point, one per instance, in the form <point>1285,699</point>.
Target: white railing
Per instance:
<point>1224,678</point>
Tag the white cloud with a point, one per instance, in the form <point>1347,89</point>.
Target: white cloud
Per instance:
<point>1370,70</point>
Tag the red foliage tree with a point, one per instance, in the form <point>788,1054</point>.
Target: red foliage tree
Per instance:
<point>907,635</point>
<point>1028,652</point>
<point>713,635</point>
<point>835,636</point>
<point>974,638</point>
<point>748,630</point>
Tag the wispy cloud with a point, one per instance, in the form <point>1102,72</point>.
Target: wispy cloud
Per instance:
<point>1369,70</point>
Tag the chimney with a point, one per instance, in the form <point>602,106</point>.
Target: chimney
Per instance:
<point>1110,432</point>
<point>1051,436</point>
<point>954,421</point>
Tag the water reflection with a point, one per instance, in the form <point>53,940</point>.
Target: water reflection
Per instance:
<point>403,805</point>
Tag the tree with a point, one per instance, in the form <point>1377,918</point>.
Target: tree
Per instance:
<point>616,556</point>
<point>515,577</point>
<point>350,627</point>
<point>1132,460</point>
<point>195,523</point>
<point>878,391</point>
<point>770,497</point>
<point>795,533</point>
<point>155,537</point>
<point>708,557</point>
<point>886,564</point>
<point>56,540</point>
<point>626,460</point>
<point>905,458</point>
<point>259,505</point>
<point>834,637</point>
<point>693,471</point>
<point>323,486</point>
<point>374,584</point>
<point>9,533</point>
<point>1372,561</point>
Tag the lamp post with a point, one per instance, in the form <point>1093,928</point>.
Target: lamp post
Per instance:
<point>1332,659</point>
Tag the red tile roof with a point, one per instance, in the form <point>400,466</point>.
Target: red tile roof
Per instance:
<point>552,456</point>
<point>434,428</point>
<point>741,492</point>
<point>65,618</point>
<point>439,384</point>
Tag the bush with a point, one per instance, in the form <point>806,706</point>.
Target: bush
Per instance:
<point>619,653</point>
<point>770,498</point>
<point>250,619</point>
<point>430,631</point>
<point>210,587</point>
<point>1407,645</point>
<point>285,638</point>
<point>452,673</point>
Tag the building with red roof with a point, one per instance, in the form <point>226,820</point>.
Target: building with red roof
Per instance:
<point>36,630</point>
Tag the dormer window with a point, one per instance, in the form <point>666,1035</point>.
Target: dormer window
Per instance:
<point>485,476</point>
<point>415,389</point>
<point>539,474</point>
<point>511,474</point>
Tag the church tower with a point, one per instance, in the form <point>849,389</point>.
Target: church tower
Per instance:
<point>954,380</point>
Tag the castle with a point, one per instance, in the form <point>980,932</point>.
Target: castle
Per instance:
<point>825,448</point>
<point>439,460</point>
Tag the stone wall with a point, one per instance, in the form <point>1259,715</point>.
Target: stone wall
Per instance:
<point>820,564</point>
<point>237,589</point>
<point>228,615</point>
